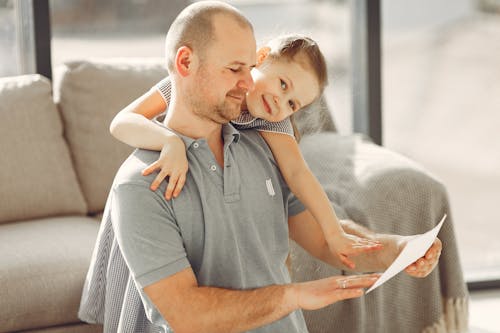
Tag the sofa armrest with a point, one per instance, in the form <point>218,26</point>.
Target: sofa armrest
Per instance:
<point>387,193</point>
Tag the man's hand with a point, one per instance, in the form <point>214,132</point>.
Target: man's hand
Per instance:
<point>424,266</point>
<point>317,294</point>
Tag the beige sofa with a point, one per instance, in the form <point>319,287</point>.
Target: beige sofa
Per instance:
<point>57,164</point>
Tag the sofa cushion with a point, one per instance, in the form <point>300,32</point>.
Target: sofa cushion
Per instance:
<point>91,93</point>
<point>43,264</point>
<point>36,175</point>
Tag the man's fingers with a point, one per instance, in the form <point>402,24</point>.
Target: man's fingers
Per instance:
<point>357,281</point>
<point>339,295</point>
<point>435,250</point>
<point>421,268</point>
<point>348,294</point>
<point>426,264</point>
<point>320,293</point>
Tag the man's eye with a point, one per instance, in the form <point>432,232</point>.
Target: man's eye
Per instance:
<point>292,104</point>
<point>283,84</point>
<point>235,70</point>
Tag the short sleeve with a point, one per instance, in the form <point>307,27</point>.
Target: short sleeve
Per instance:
<point>295,206</point>
<point>164,87</point>
<point>147,233</point>
<point>247,121</point>
<point>284,126</point>
<point>292,204</point>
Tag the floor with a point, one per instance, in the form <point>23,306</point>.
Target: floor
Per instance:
<point>484,311</point>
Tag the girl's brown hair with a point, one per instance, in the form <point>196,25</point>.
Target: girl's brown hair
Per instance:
<point>303,49</point>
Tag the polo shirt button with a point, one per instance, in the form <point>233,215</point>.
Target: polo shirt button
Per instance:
<point>196,145</point>
<point>213,168</point>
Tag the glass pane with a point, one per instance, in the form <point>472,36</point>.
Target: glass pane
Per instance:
<point>91,28</point>
<point>441,86</point>
<point>83,29</point>
<point>9,64</point>
<point>328,23</point>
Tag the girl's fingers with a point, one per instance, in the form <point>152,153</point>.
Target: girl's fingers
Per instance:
<point>150,168</point>
<point>159,178</point>
<point>172,181</point>
<point>368,243</point>
<point>345,260</point>
<point>180,184</point>
<point>360,248</point>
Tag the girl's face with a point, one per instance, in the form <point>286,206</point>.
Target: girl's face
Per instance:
<point>281,87</point>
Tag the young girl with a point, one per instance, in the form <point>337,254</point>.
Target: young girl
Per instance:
<point>286,64</point>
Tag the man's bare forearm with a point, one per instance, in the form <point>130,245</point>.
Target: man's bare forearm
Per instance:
<point>208,309</point>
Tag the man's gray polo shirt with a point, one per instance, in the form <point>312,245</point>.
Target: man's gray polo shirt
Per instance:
<point>229,225</point>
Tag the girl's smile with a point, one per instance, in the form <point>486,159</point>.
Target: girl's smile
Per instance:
<point>280,89</point>
<point>266,105</point>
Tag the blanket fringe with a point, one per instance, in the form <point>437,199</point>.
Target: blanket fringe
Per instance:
<point>455,318</point>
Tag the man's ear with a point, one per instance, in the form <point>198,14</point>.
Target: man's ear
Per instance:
<point>185,61</point>
<point>262,54</point>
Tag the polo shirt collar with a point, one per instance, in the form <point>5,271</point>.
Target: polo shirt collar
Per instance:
<point>229,134</point>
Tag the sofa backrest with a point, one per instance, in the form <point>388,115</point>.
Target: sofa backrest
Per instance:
<point>37,178</point>
<point>89,94</point>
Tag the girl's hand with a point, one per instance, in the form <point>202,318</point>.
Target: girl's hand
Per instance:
<point>172,164</point>
<point>344,245</point>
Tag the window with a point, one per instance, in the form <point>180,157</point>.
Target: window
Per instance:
<point>328,23</point>
<point>137,28</point>
<point>441,108</point>
<point>83,29</point>
<point>440,80</point>
<point>16,42</point>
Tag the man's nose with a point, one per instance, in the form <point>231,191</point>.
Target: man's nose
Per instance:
<point>246,82</point>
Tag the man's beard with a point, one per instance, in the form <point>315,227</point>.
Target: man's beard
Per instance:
<point>222,112</point>
<point>230,109</point>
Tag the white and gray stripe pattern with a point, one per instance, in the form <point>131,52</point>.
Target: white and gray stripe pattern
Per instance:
<point>110,296</point>
<point>164,87</point>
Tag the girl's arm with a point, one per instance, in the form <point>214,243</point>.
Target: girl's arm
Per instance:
<point>307,233</point>
<point>308,190</point>
<point>133,126</point>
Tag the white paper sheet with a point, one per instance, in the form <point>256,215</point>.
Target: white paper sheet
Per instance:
<point>414,249</point>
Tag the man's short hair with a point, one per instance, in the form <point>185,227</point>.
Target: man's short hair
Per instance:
<point>194,28</point>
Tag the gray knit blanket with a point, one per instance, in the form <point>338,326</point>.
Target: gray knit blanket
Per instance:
<point>387,193</point>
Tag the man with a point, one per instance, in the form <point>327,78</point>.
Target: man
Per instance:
<point>213,259</point>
